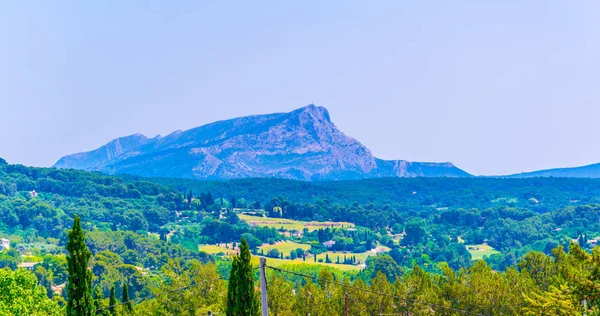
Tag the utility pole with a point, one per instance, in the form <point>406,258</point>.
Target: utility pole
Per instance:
<point>263,287</point>
<point>346,304</point>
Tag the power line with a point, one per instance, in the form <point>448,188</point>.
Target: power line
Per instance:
<point>165,292</point>
<point>183,288</point>
<point>432,305</point>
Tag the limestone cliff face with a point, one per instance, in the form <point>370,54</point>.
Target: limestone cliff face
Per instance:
<point>303,144</point>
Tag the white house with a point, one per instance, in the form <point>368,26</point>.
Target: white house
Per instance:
<point>5,243</point>
<point>329,244</point>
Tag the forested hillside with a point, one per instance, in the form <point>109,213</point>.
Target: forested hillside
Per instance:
<point>539,194</point>
<point>161,234</point>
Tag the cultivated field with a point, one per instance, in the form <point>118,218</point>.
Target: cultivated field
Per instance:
<point>478,251</point>
<point>290,224</point>
<point>221,248</point>
<point>285,246</point>
<point>278,262</point>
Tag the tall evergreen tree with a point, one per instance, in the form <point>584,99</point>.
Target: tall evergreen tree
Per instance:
<point>209,199</point>
<point>127,306</point>
<point>79,286</point>
<point>113,301</point>
<point>241,296</point>
<point>99,303</point>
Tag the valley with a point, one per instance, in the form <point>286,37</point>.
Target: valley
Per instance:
<point>146,229</point>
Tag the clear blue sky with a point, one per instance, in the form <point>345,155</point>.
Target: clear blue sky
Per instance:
<point>495,87</point>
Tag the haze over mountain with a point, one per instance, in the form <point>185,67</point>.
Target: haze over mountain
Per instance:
<point>303,144</point>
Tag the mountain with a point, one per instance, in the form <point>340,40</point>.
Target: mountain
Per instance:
<point>303,144</point>
<point>589,171</point>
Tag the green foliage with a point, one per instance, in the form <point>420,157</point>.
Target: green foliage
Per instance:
<point>100,302</point>
<point>426,222</point>
<point>205,291</point>
<point>21,295</point>
<point>127,305</point>
<point>79,286</point>
<point>113,301</point>
<point>382,264</point>
<point>9,258</point>
<point>241,295</point>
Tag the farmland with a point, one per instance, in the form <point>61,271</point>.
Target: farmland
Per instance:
<point>279,262</point>
<point>285,247</point>
<point>479,251</point>
<point>291,225</point>
<point>216,249</point>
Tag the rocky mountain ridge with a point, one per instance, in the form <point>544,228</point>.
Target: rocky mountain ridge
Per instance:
<point>303,144</point>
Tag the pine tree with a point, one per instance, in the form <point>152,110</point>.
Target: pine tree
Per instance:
<point>79,285</point>
<point>127,306</point>
<point>112,301</point>
<point>241,297</point>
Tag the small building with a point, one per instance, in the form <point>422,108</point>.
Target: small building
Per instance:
<point>329,243</point>
<point>5,243</point>
<point>57,289</point>
<point>27,265</point>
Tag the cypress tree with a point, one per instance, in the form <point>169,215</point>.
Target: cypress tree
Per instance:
<point>99,303</point>
<point>127,306</point>
<point>241,296</point>
<point>79,285</point>
<point>112,301</point>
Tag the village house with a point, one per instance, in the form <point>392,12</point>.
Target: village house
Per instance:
<point>329,243</point>
<point>5,244</point>
<point>27,265</point>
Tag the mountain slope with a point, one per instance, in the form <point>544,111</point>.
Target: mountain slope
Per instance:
<point>303,144</point>
<point>589,171</point>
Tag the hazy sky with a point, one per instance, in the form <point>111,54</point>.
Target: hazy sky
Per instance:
<point>495,87</point>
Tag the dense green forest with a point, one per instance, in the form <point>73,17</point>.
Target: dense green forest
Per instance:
<point>511,215</point>
<point>537,194</point>
<point>148,232</point>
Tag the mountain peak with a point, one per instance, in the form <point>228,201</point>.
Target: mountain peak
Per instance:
<point>314,112</point>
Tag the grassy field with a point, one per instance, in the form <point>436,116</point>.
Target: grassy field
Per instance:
<point>215,249</point>
<point>362,257</point>
<point>286,247</point>
<point>290,224</point>
<point>478,251</point>
<point>278,262</point>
